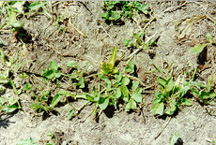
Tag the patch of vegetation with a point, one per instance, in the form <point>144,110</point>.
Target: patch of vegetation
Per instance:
<point>115,10</point>
<point>199,48</point>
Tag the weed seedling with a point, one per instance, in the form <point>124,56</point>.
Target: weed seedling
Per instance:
<point>115,10</point>
<point>199,48</point>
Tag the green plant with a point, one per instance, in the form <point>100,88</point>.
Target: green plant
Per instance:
<point>27,142</point>
<point>138,42</point>
<point>114,10</point>
<point>204,92</point>
<point>199,48</point>
<point>116,90</point>
<point>108,68</point>
<point>52,71</point>
<point>171,95</point>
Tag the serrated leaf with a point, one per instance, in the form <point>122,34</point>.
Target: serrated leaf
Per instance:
<point>158,108</point>
<point>73,64</point>
<point>199,48</point>
<point>55,100</point>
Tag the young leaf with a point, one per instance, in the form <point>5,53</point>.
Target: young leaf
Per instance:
<point>125,81</point>
<point>131,105</point>
<point>209,37</point>
<point>174,139</point>
<point>53,65</point>
<point>169,85</point>
<point>162,82</point>
<point>106,79</point>
<point>10,109</point>
<point>143,8</point>
<point>55,100</point>
<point>137,38</point>
<point>115,16</point>
<point>135,85</point>
<point>35,5</point>
<point>158,108</point>
<point>125,93</point>
<point>199,48</point>
<point>103,103</point>
<point>127,42</point>
<point>111,62</point>
<point>117,93</point>
<point>137,97</point>
<point>28,87</point>
<point>187,102</point>
<point>73,64</point>
<point>65,93</point>
<point>130,67</point>
<point>27,142</point>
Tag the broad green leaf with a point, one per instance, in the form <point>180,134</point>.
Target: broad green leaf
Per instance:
<point>199,48</point>
<point>106,79</point>
<point>35,5</point>
<point>73,64</point>
<point>125,81</point>
<point>55,100</point>
<point>117,93</point>
<point>53,65</point>
<point>135,85</point>
<point>118,78</point>
<point>127,42</point>
<point>90,97</point>
<point>170,110</point>
<point>174,139</point>
<point>130,67</point>
<point>115,16</point>
<point>11,108</point>
<point>162,82</point>
<point>81,81</point>
<point>209,37</point>
<point>143,8</point>
<point>187,102</point>
<point>103,103</point>
<point>28,87</point>
<point>125,93</point>
<point>169,85</point>
<point>131,105</point>
<point>105,15</point>
<point>158,108</point>
<point>137,97</point>
<point>13,101</point>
